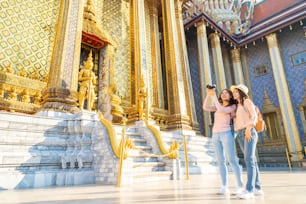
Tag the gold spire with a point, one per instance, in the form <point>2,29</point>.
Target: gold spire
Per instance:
<point>91,28</point>
<point>89,12</point>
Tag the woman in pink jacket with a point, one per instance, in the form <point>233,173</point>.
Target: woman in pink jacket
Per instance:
<point>222,136</point>
<point>244,123</point>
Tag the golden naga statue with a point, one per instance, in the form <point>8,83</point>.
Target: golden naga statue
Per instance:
<point>173,150</point>
<point>142,96</point>
<point>87,79</point>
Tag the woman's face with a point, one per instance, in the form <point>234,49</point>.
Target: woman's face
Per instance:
<point>225,95</point>
<point>236,94</point>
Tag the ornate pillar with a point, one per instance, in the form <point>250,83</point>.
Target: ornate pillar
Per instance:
<point>158,95</point>
<point>106,76</point>
<point>174,68</point>
<point>303,119</point>
<point>204,69</point>
<point>218,61</point>
<point>238,73</point>
<point>284,98</point>
<point>227,66</point>
<point>61,92</point>
<point>245,67</point>
<point>139,46</point>
<point>191,109</point>
<point>110,50</point>
<point>302,114</point>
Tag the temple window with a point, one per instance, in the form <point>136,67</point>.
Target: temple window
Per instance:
<point>261,70</point>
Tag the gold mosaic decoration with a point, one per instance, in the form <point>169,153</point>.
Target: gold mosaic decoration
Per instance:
<point>114,17</point>
<point>27,30</point>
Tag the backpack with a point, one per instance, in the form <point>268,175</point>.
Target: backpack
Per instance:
<point>260,124</point>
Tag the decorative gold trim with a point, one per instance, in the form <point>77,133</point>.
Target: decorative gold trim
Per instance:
<point>173,150</point>
<point>22,82</point>
<point>158,137</point>
<point>272,40</point>
<point>235,53</point>
<point>215,40</point>
<point>20,94</point>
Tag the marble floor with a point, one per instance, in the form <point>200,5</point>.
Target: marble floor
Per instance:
<point>279,187</point>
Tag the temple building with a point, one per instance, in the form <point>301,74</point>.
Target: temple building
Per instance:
<point>111,91</point>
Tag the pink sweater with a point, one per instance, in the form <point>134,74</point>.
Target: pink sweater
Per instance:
<point>245,115</point>
<point>222,114</point>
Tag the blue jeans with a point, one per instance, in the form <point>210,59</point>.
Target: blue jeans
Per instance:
<point>225,149</point>
<point>249,150</point>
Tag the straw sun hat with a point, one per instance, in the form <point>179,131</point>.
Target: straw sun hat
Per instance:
<point>241,87</point>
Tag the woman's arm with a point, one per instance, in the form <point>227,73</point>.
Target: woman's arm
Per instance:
<point>250,107</point>
<point>223,109</point>
<point>207,107</point>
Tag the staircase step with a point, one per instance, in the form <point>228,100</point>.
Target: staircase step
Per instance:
<point>134,135</point>
<point>142,148</point>
<point>148,164</point>
<point>139,142</point>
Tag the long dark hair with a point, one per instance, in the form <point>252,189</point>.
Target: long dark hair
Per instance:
<point>242,96</point>
<point>231,100</point>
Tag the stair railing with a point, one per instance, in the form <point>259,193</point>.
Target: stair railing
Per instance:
<point>111,133</point>
<point>121,151</point>
<point>288,159</point>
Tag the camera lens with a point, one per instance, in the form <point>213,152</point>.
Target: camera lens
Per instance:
<point>210,86</point>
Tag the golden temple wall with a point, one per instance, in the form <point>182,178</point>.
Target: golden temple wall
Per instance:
<point>114,17</point>
<point>27,30</point>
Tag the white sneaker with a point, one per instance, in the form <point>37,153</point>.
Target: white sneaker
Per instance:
<point>258,192</point>
<point>246,195</point>
<point>223,191</point>
<point>238,191</point>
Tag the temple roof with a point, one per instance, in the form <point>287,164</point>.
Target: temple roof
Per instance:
<point>268,17</point>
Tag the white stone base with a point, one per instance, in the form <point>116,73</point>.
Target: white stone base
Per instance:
<point>39,179</point>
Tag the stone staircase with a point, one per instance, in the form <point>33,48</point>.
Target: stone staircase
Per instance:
<point>273,157</point>
<point>147,162</point>
<point>200,152</point>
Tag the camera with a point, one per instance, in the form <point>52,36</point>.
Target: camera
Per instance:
<point>213,86</point>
